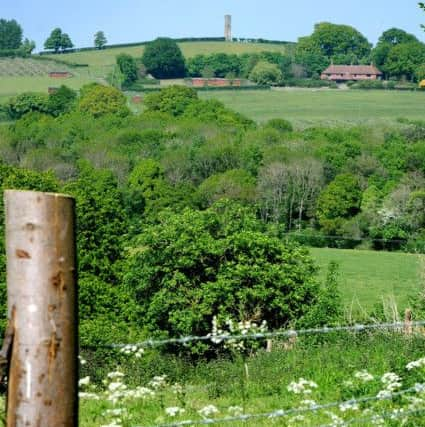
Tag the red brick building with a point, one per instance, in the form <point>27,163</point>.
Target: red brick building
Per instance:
<point>60,74</point>
<point>343,73</point>
<point>215,82</point>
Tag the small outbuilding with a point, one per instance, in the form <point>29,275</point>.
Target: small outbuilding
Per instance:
<point>344,73</point>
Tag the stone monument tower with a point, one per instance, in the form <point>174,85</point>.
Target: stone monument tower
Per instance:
<point>228,28</point>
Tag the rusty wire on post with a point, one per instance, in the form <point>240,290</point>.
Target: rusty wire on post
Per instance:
<point>42,309</point>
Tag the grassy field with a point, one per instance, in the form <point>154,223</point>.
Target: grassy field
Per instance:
<point>107,57</point>
<point>370,277</point>
<point>309,106</point>
<point>12,85</point>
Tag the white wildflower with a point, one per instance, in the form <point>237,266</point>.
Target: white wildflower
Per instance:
<point>349,406</point>
<point>208,410</point>
<point>364,376</point>
<point>235,410</point>
<point>173,411</point>
<point>84,381</point>
<point>416,364</point>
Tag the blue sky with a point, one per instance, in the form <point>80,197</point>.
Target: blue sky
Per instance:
<point>139,20</point>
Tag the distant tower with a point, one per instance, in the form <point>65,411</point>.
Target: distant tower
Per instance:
<point>228,28</point>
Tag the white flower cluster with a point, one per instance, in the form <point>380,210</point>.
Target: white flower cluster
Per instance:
<point>133,350</point>
<point>159,381</point>
<point>303,386</point>
<point>363,376</point>
<point>174,411</point>
<point>231,328</point>
<point>208,410</point>
<point>349,406</point>
<point>420,363</point>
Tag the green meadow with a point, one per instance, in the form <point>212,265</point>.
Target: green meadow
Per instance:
<point>327,106</point>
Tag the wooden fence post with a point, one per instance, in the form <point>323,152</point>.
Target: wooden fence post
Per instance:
<point>42,309</point>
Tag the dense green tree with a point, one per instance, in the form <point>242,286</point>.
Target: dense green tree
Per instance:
<point>128,67</point>
<point>235,184</point>
<point>265,73</point>
<point>337,202</point>
<point>100,40</point>
<point>194,265</point>
<point>27,102</point>
<point>172,100</point>
<point>99,100</point>
<point>389,39</point>
<point>61,101</point>
<point>10,35</point>
<point>58,41</point>
<point>332,39</point>
<point>164,59</point>
<point>404,59</point>
<point>101,221</point>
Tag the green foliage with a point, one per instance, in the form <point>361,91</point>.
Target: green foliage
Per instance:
<point>235,184</point>
<point>164,59</point>
<point>28,102</point>
<point>100,40</point>
<point>213,111</point>
<point>172,100</point>
<point>101,222</point>
<point>404,59</point>
<point>195,265</point>
<point>99,100</point>
<point>331,40</point>
<point>58,41</point>
<point>10,35</point>
<point>128,67</point>
<point>61,101</point>
<point>265,73</point>
<point>216,65</point>
<point>281,125</point>
<point>337,202</point>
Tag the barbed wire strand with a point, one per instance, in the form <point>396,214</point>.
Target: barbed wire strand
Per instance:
<point>387,414</point>
<point>263,335</point>
<point>287,412</point>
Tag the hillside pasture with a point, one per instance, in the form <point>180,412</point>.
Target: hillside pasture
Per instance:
<point>29,67</point>
<point>106,57</point>
<point>370,277</point>
<point>326,106</point>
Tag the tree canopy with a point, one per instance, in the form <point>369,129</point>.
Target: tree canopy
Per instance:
<point>58,41</point>
<point>100,40</point>
<point>10,34</point>
<point>164,59</point>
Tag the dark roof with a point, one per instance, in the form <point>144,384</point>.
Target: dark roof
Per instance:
<point>352,69</point>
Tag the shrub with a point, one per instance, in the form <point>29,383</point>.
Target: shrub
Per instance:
<point>265,73</point>
<point>61,101</point>
<point>128,67</point>
<point>172,100</point>
<point>27,102</point>
<point>280,125</point>
<point>164,59</point>
<point>99,100</point>
<point>195,265</point>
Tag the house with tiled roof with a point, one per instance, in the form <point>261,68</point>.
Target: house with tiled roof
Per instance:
<point>344,73</point>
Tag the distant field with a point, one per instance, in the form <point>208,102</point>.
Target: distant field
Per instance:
<point>10,86</point>
<point>107,57</point>
<point>309,106</point>
<point>368,277</point>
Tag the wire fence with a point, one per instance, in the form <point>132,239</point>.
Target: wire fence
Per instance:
<point>357,328</point>
<point>407,327</point>
<point>288,412</point>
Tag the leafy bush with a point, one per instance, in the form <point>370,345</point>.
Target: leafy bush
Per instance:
<point>61,101</point>
<point>172,100</point>
<point>99,100</point>
<point>194,265</point>
<point>265,73</point>
<point>128,67</point>
<point>164,59</point>
<point>28,102</point>
<point>280,125</point>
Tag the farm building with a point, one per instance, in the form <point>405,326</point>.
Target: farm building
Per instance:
<point>214,82</point>
<point>60,74</point>
<point>342,73</point>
